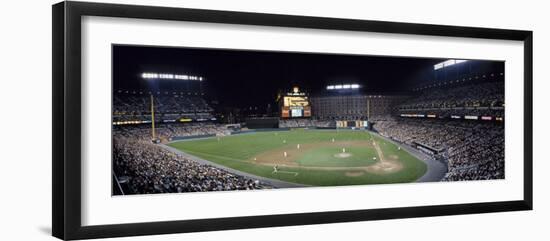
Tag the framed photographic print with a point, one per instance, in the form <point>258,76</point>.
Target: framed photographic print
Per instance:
<point>170,120</point>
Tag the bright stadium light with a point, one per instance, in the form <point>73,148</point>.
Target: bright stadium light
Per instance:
<point>166,76</point>
<point>343,87</point>
<point>148,75</point>
<point>183,77</point>
<point>458,61</point>
<point>448,63</point>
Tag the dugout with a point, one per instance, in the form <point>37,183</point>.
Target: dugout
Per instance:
<point>425,148</point>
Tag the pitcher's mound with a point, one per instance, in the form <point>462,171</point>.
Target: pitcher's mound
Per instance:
<point>343,155</point>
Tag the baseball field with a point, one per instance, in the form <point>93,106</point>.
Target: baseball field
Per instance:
<point>310,157</point>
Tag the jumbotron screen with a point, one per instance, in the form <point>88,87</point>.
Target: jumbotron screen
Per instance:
<point>296,106</point>
<point>295,101</point>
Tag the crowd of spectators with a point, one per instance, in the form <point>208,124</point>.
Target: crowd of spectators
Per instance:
<point>141,167</point>
<point>137,106</point>
<point>485,99</point>
<point>166,131</point>
<point>474,150</point>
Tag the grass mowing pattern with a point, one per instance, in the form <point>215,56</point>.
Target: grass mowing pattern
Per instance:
<point>237,152</point>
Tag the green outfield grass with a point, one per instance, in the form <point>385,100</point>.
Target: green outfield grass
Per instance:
<point>317,161</point>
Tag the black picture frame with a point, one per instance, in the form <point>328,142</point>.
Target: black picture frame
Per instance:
<point>66,122</point>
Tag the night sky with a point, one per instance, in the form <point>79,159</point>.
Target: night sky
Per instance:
<point>238,78</point>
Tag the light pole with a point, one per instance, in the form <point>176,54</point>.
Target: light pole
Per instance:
<point>153,118</point>
<point>154,77</point>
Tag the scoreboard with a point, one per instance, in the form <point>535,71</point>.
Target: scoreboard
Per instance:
<point>295,105</point>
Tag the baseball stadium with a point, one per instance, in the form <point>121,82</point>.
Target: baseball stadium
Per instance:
<point>198,120</point>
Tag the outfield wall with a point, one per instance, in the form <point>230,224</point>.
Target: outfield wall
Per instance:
<point>262,123</point>
<point>179,138</point>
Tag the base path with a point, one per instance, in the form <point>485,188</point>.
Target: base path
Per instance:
<point>269,181</point>
<point>383,166</point>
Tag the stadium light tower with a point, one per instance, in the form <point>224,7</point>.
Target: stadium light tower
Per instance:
<point>153,117</point>
<point>164,76</point>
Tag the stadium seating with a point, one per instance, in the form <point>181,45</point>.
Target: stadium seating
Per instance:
<point>136,106</point>
<point>144,168</point>
<point>485,99</point>
<point>167,131</point>
<point>473,149</point>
